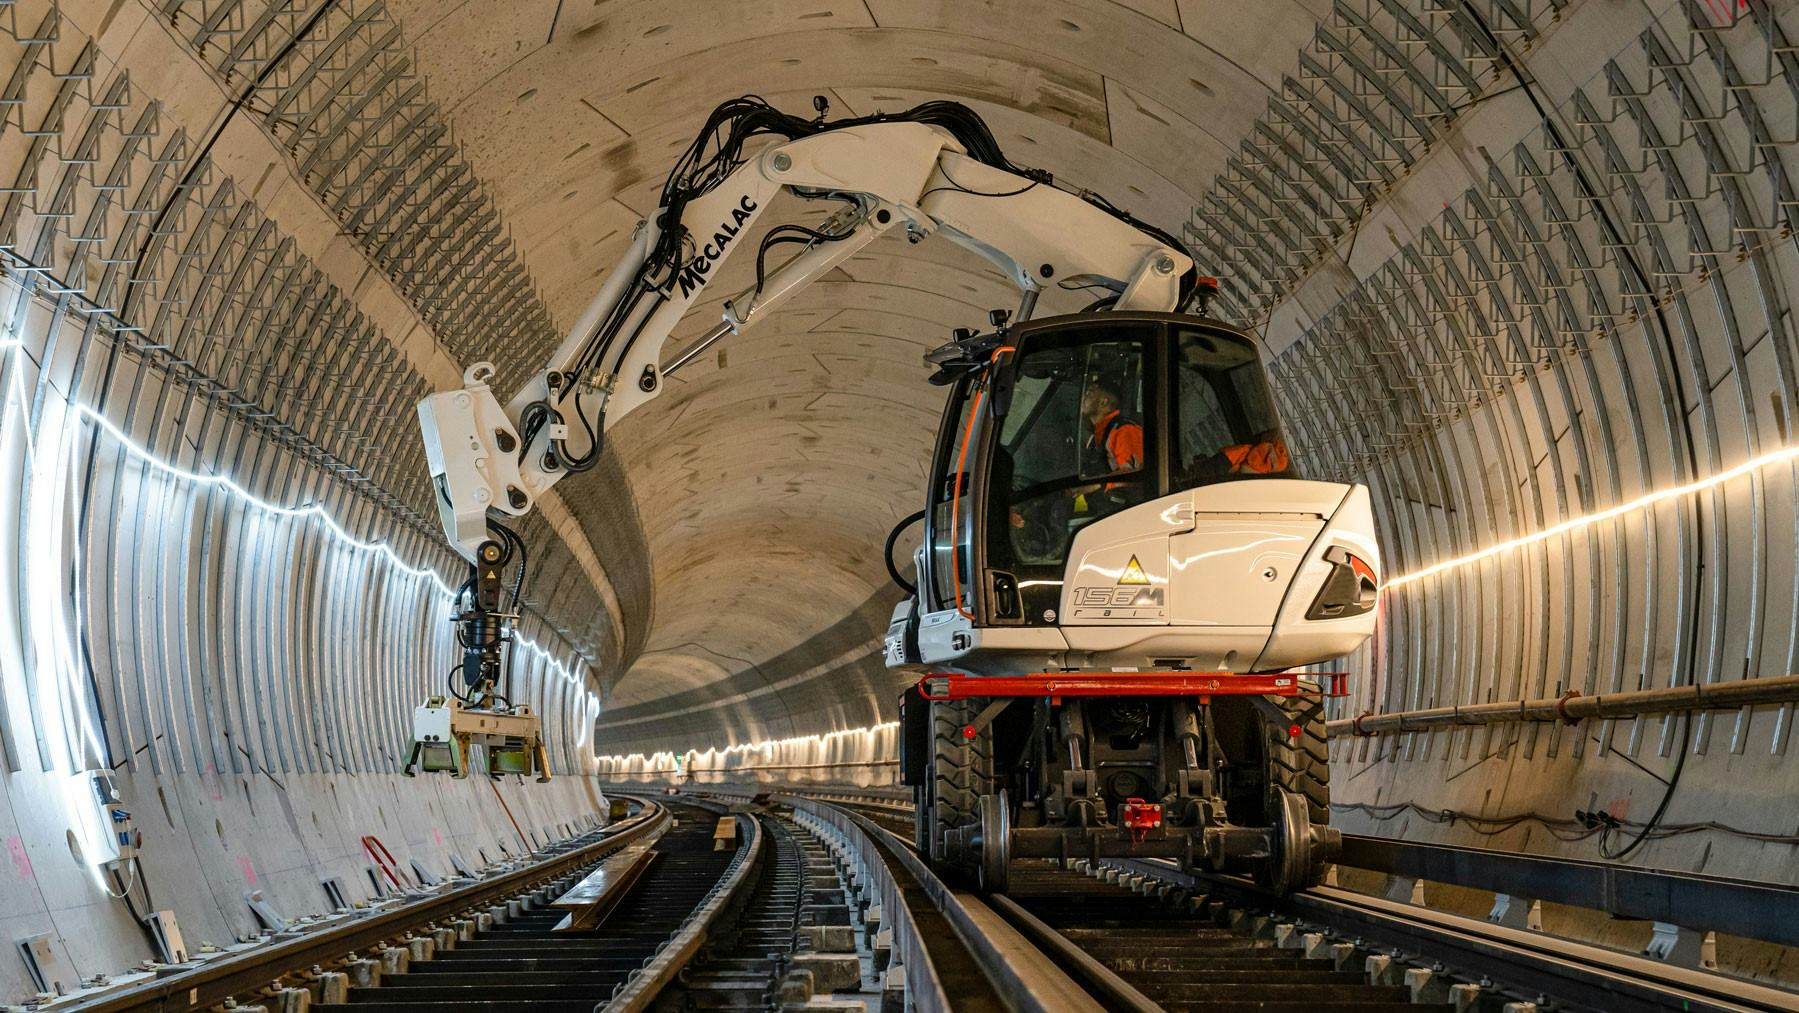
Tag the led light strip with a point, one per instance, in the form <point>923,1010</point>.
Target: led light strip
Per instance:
<point>311,511</point>
<point>766,745</point>
<point>1754,464</point>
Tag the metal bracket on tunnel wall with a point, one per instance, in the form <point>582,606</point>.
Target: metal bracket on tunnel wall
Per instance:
<point>48,972</point>
<point>265,912</point>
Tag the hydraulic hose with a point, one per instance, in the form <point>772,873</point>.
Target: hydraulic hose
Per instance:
<point>887,552</point>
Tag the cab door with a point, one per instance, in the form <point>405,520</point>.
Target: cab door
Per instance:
<point>1078,442</point>
<point>948,560</point>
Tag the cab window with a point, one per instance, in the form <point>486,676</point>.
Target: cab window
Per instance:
<point>1223,413</point>
<point>1073,448</point>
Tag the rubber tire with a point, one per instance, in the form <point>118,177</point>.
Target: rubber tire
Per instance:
<point>961,772</point>
<point>1301,766</point>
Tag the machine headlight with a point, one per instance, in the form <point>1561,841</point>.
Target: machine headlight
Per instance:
<point>1351,589</point>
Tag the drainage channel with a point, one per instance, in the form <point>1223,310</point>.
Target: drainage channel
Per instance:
<point>522,964</point>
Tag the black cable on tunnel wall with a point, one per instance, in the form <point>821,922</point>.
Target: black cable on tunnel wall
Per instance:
<point>1627,255</point>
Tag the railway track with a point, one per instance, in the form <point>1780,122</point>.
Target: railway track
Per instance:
<point>1142,935</point>
<point>526,966</point>
<point>788,902</point>
<point>1177,957</point>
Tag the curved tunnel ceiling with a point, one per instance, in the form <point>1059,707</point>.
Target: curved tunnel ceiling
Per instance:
<point>769,474</point>
<point>1456,302</point>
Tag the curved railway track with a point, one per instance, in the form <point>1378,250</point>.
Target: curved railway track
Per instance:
<point>1142,935</point>
<point>740,902</point>
<point>526,965</point>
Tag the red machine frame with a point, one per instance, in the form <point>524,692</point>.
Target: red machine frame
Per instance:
<point>1205,685</point>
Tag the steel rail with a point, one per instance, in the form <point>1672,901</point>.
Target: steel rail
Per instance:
<point>1101,980</point>
<point>1587,975</point>
<point>1739,907</point>
<point>1571,973</point>
<point>1016,972</point>
<point>925,989</point>
<point>642,988</point>
<point>242,974</point>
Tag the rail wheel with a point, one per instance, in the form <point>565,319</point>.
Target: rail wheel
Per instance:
<point>1291,865</point>
<point>961,772</point>
<point>996,842</point>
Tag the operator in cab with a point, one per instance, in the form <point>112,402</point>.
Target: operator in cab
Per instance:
<point>1116,442</point>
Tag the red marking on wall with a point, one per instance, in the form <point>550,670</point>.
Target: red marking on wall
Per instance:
<point>439,838</point>
<point>245,866</point>
<point>1619,808</point>
<point>218,794</point>
<point>15,846</point>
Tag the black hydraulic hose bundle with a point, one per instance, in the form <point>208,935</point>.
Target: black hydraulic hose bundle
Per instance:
<point>718,150</point>
<point>887,552</point>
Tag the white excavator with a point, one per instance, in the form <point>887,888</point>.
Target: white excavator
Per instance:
<point>1120,572</point>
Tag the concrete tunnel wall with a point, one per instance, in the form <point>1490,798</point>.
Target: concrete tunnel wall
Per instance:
<point>250,236</point>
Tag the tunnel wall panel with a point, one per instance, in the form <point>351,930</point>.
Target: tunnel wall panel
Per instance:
<point>221,578</point>
<point>1552,342</point>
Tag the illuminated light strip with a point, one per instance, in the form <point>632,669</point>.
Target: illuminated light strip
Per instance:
<point>666,756</point>
<point>139,451</point>
<point>1754,464</point>
<point>311,510</point>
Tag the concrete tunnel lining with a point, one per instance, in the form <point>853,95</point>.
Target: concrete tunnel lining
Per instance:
<point>445,181</point>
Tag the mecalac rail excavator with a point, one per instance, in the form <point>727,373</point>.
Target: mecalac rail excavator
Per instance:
<point>1120,571</point>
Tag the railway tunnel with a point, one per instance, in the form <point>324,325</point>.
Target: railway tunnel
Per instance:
<point>1523,269</point>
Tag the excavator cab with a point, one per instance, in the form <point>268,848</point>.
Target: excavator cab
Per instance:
<point>1115,524</point>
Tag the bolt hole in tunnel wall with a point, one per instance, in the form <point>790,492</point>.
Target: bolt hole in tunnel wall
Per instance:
<point>1517,263</point>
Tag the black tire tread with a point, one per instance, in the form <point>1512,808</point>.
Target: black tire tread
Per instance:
<point>961,768</point>
<point>1302,766</point>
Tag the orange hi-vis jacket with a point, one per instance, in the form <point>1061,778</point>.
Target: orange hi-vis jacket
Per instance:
<point>1263,458</point>
<point>1123,441</point>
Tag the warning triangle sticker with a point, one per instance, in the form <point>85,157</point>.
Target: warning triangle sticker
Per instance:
<point>1133,574</point>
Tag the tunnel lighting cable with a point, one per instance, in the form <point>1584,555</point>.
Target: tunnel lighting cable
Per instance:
<point>308,511</point>
<point>1754,464</point>
<point>1749,467</point>
<point>763,746</point>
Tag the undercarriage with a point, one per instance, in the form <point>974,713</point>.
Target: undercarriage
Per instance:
<point>1226,782</point>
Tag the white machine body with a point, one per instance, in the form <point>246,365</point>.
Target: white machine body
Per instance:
<point>1218,579</point>
<point>1221,577</point>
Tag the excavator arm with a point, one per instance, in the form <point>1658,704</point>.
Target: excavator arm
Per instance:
<point>932,170</point>
<point>885,174</point>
